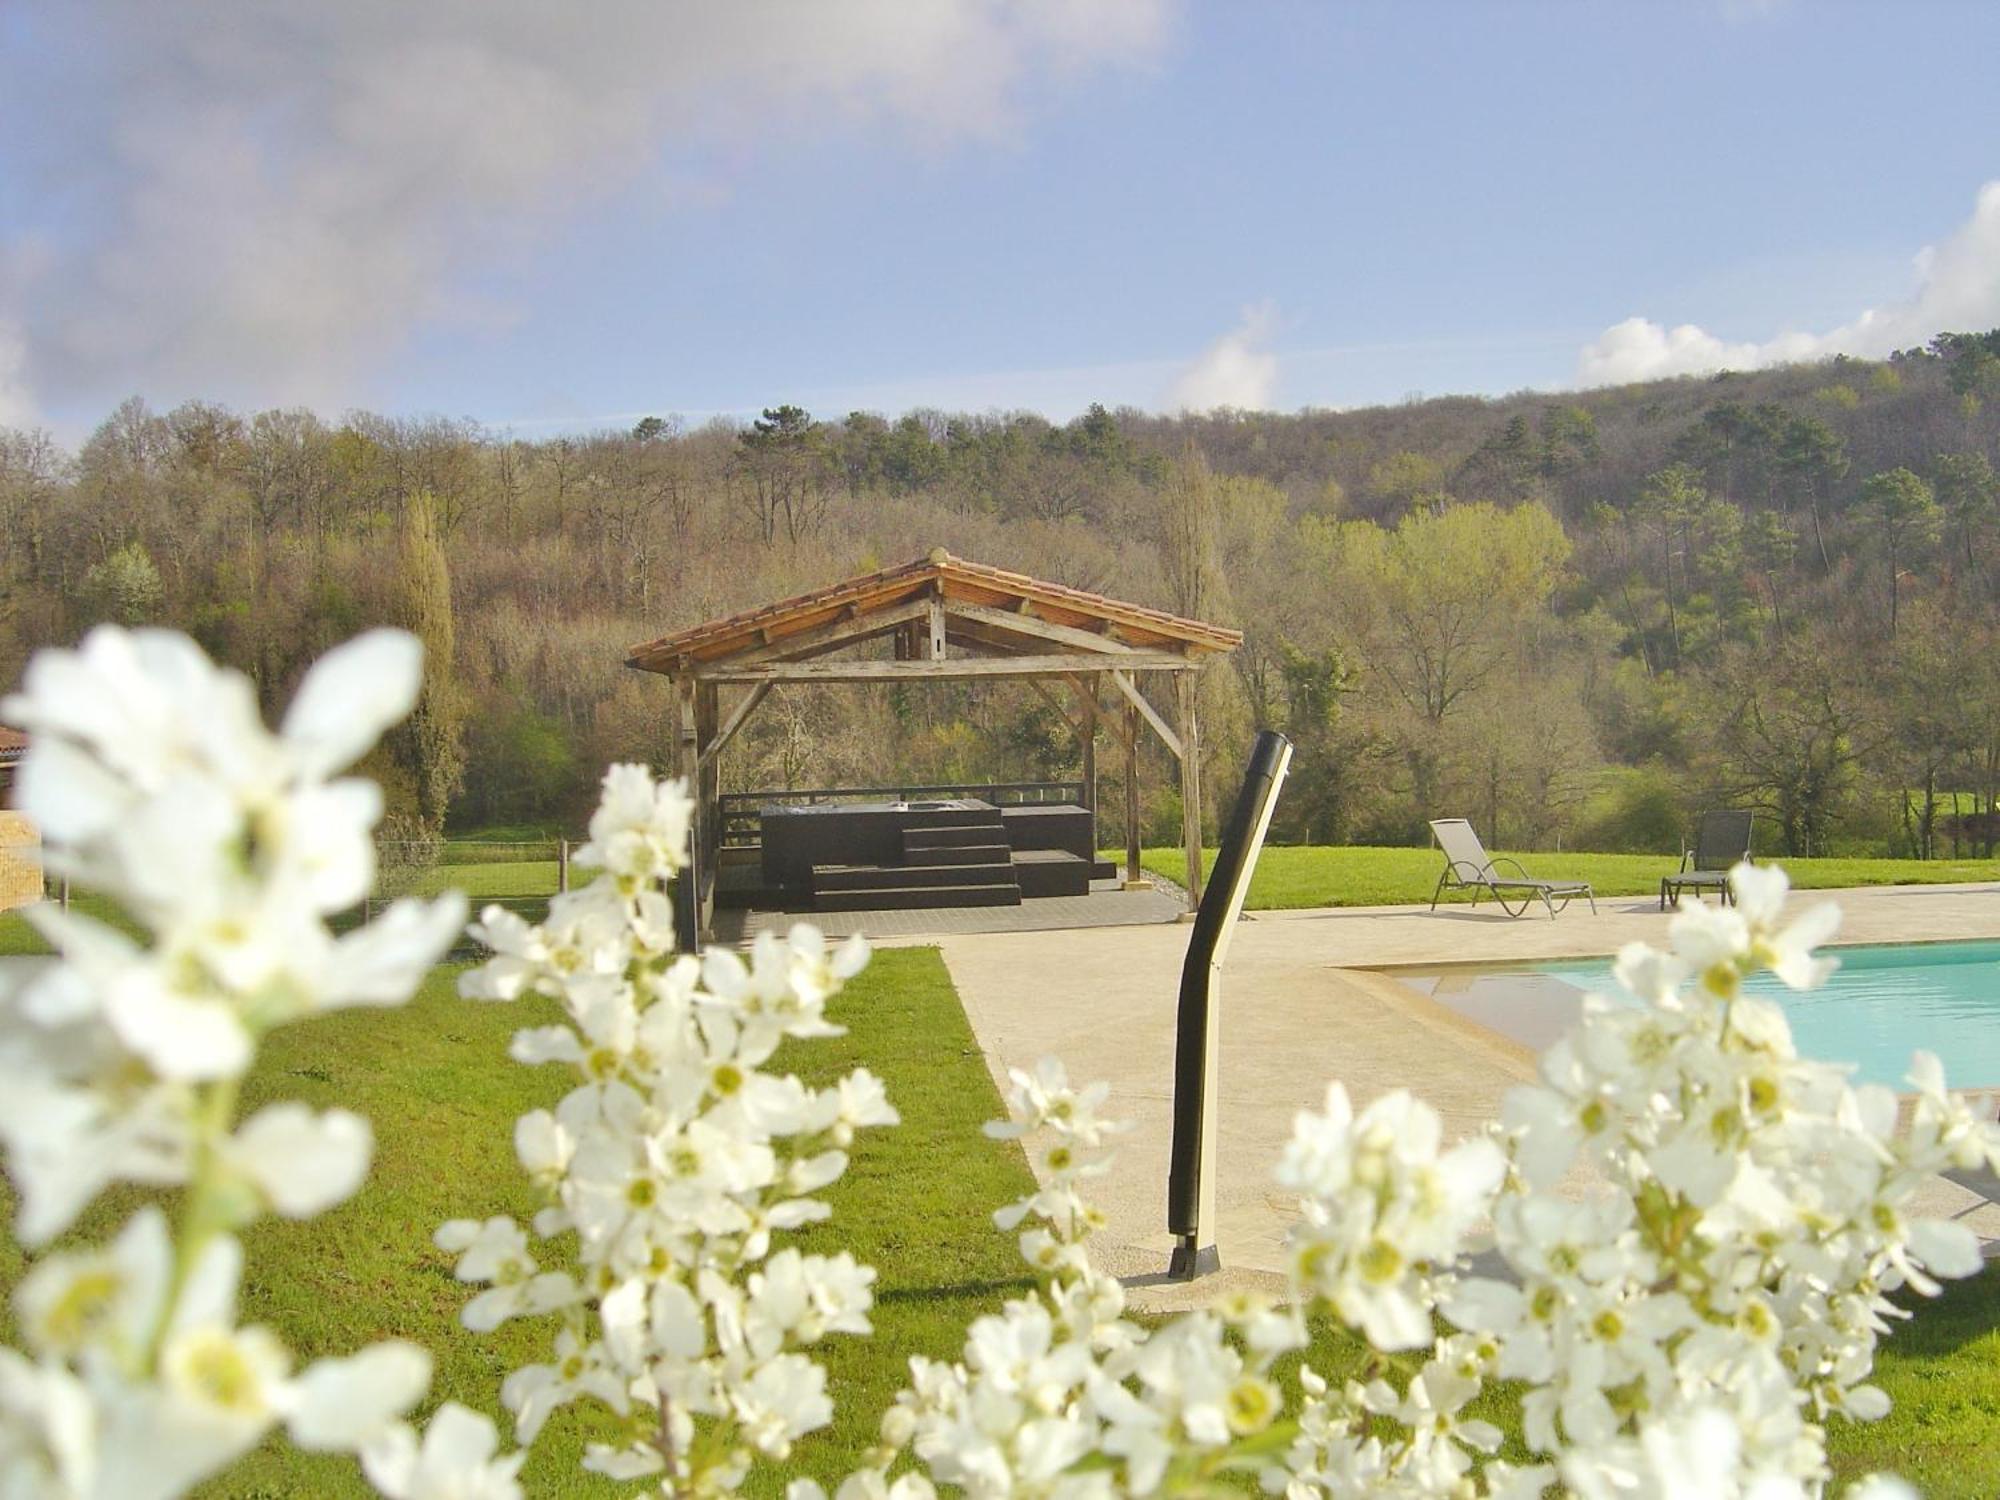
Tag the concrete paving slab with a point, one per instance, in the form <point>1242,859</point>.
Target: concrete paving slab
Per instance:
<point>1303,1005</point>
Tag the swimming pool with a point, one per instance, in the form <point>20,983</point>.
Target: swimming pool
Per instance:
<point>1884,1002</point>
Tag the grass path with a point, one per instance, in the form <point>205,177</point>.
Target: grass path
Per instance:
<point>1302,876</point>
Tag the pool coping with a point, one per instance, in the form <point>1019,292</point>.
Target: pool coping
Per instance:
<point>1427,966</point>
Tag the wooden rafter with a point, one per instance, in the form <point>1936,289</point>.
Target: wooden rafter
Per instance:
<point>738,716</point>
<point>1150,714</point>
<point>1048,695</point>
<point>1047,630</point>
<point>848,627</point>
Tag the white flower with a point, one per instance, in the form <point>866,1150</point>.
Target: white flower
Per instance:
<point>455,1461</point>
<point>534,1391</point>
<point>345,1404</point>
<point>640,829</point>
<point>219,1387</point>
<point>67,1143</point>
<point>785,1399</point>
<point>301,1163</point>
<point>99,1300</point>
<point>382,963</point>
<point>48,1431</point>
<point>1879,1487</point>
<point>497,1252</point>
<point>543,1146</point>
<point>349,697</point>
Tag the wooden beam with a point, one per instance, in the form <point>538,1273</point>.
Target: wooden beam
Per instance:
<point>746,706</point>
<point>1047,630</point>
<point>847,629</point>
<point>956,667</point>
<point>982,641</point>
<point>1123,682</point>
<point>1184,699</point>
<point>935,608</point>
<point>1048,696</point>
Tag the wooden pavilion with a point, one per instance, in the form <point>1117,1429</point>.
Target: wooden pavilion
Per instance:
<point>946,619</point>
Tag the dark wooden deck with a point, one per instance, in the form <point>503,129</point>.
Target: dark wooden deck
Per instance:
<point>1107,905</point>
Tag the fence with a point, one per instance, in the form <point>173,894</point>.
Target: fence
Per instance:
<point>742,817</point>
<point>519,875</point>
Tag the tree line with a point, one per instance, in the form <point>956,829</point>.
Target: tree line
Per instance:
<point>1574,618</point>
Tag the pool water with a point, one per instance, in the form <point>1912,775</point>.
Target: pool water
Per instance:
<point>1882,1003</point>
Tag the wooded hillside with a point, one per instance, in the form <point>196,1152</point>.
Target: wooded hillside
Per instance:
<point>1573,618</point>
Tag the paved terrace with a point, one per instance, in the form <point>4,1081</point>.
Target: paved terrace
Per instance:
<point>1302,1007</point>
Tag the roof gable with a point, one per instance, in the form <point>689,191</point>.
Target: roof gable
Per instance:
<point>987,611</point>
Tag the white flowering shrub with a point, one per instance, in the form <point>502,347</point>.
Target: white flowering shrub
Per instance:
<point>226,848</point>
<point>670,1167</point>
<point>1681,1325</point>
<point>1674,1254</point>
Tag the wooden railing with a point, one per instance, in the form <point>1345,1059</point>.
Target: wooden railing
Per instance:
<point>740,814</point>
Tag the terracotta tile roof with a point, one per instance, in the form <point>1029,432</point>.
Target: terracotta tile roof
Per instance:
<point>954,579</point>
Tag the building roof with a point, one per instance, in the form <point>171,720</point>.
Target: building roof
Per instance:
<point>990,609</point>
<point>13,745</point>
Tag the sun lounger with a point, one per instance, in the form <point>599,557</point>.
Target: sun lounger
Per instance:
<point>1469,867</point>
<point>1720,842</point>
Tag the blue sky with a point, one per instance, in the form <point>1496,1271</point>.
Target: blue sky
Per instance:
<point>539,222</point>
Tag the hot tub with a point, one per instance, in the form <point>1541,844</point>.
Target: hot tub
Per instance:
<point>853,833</point>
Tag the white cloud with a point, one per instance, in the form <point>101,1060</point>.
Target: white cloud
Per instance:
<point>273,197</point>
<point>1237,370</point>
<point>1957,289</point>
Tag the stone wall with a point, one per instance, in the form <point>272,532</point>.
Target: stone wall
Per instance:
<point>20,861</point>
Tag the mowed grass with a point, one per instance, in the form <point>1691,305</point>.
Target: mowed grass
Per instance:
<point>1942,1370</point>
<point>1316,875</point>
<point>483,880</point>
<point>435,1079</point>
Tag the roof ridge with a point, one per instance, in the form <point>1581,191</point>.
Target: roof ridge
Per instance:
<point>936,563</point>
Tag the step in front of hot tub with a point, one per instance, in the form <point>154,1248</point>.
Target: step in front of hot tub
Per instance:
<point>931,836</point>
<point>960,854</point>
<point>894,877</point>
<point>1051,872</point>
<point>905,898</point>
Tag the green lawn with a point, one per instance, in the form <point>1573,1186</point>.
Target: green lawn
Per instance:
<point>1298,876</point>
<point>435,1080</point>
<point>484,879</point>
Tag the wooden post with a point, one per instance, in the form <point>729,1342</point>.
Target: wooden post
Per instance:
<point>562,867</point>
<point>1089,737</point>
<point>690,878</point>
<point>1133,871</point>
<point>707,718</point>
<point>1190,731</point>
